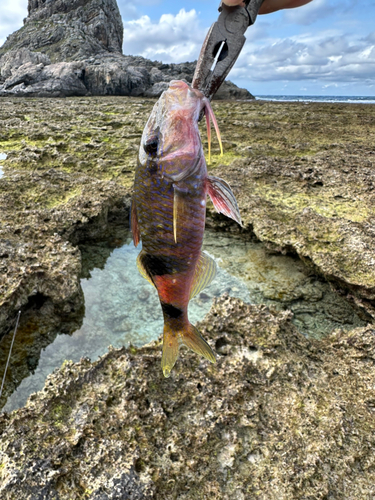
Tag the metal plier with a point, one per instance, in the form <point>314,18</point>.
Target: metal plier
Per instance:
<point>222,45</point>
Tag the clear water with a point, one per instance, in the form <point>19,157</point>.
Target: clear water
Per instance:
<point>122,308</point>
<point>318,98</point>
<point>2,157</point>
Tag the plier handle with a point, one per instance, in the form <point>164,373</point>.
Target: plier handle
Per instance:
<point>223,45</point>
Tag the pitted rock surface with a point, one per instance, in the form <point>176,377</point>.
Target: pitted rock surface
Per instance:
<point>277,417</point>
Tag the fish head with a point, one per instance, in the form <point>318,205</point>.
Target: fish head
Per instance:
<point>171,137</point>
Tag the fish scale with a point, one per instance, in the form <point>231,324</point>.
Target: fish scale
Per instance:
<point>169,210</point>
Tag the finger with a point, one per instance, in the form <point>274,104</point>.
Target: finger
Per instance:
<point>230,3</point>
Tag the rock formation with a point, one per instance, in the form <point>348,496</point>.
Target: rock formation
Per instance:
<point>74,48</point>
<point>69,30</point>
<point>279,416</point>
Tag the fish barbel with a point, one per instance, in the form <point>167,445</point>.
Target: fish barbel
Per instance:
<point>169,210</point>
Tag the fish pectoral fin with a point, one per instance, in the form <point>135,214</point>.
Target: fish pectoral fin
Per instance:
<point>178,207</point>
<point>223,199</point>
<point>134,224</point>
<point>142,269</point>
<point>194,341</point>
<point>205,272</point>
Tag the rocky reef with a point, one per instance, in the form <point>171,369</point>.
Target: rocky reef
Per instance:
<point>279,415</point>
<point>74,48</point>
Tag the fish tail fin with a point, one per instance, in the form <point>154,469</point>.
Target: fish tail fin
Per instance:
<point>191,338</point>
<point>194,341</point>
<point>170,350</point>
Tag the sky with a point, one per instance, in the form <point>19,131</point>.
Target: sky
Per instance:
<point>326,47</point>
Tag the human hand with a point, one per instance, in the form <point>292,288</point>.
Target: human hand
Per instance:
<point>230,3</point>
<point>269,6</point>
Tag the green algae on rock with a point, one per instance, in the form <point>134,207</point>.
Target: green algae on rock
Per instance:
<point>277,417</point>
<point>303,175</point>
<point>283,416</point>
<point>120,308</point>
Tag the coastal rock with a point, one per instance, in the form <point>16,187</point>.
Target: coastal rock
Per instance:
<point>74,47</point>
<point>54,80</point>
<point>74,163</point>
<point>229,91</point>
<point>14,59</point>
<point>69,30</point>
<point>278,416</point>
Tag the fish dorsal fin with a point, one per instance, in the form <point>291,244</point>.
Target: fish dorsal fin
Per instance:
<point>223,199</point>
<point>205,272</point>
<point>134,224</point>
<point>142,269</point>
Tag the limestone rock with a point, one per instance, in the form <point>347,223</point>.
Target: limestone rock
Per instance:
<point>69,30</point>
<point>14,59</point>
<point>229,91</point>
<point>54,80</point>
<point>278,416</point>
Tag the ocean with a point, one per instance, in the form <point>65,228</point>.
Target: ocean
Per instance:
<point>318,98</point>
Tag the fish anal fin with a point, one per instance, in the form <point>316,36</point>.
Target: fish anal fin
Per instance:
<point>194,341</point>
<point>134,224</point>
<point>170,351</point>
<point>205,272</point>
<point>142,269</point>
<point>223,199</point>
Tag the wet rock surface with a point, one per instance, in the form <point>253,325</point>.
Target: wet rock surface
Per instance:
<point>74,48</point>
<point>304,178</point>
<point>279,415</point>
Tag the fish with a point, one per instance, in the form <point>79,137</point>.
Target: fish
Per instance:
<point>168,212</point>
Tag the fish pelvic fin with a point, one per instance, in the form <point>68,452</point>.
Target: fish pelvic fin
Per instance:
<point>191,338</point>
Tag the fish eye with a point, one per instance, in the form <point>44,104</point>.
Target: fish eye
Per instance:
<point>151,146</point>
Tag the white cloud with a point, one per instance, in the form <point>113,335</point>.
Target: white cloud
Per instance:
<point>326,57</point>
<point>309,13</point>
<point>338,50</point>
<point>11,17</point>
<point>174,38</point>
